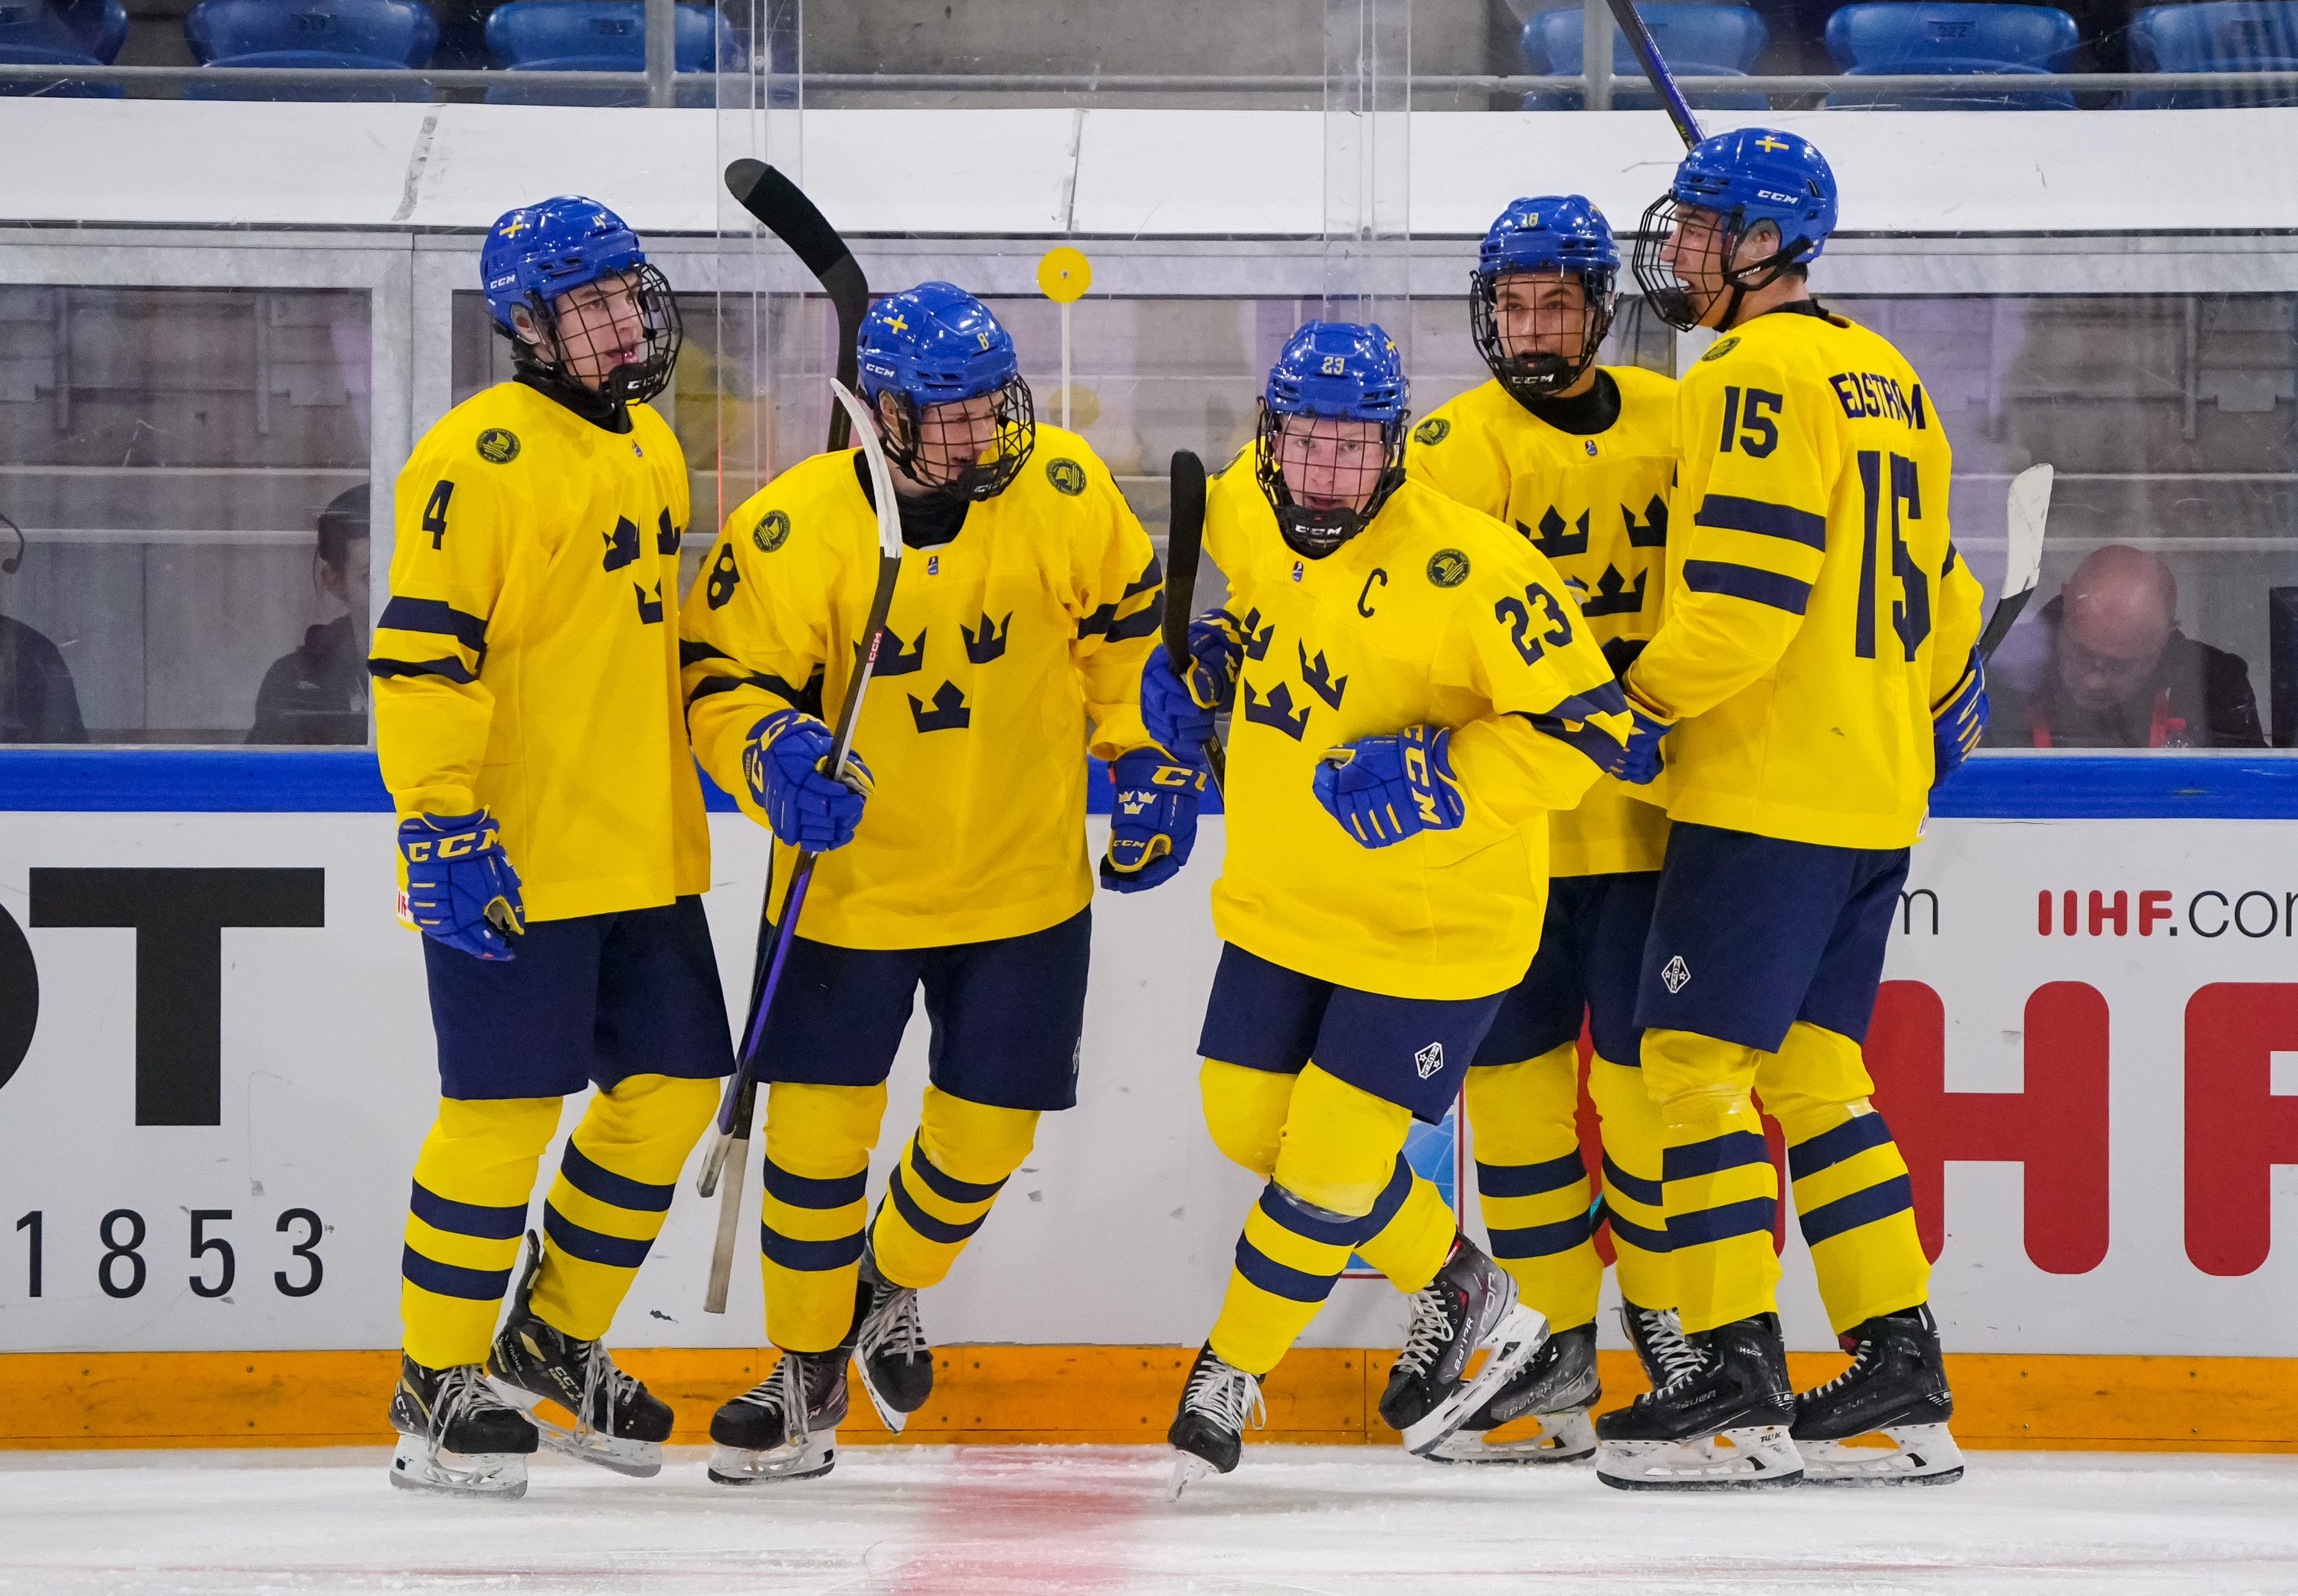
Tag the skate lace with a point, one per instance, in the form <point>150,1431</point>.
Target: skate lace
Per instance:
<point>601,1377</point>
<point>463,1390</point>
<point>1432,1329</point>
<point>1228,1396</point>
<point>892,1324</point>
<point>1677,1358</point>
<point>783,1392</point>
<point>1861,1356</point>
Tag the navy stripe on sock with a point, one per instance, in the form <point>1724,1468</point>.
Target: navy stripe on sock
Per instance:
<point>1880,1201</point>
<point>1343,1232</point>
<point>1753,1217</point>
<point>1281,1280</point>
<point>453,1280</point>
<point>1615,1178</point>
<point>1542,1241</point>
<point>1829,1148</point>
<point>593,1178</point>
<point>807,1191</point>
<point>467,1218</point>
<point>1391,1198</point>
<point>1530,1179</point>
<point>592,1246</point>
<point>1734,1149</point>
<point>1635,1234</point>
<point>949,1188</point>
<point>923,1222</point>
<point>809,1256</point>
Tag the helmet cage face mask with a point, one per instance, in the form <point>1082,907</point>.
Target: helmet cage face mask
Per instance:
<point>1681,307</point>
<point>569,338</point>
<point>915,428</point>
<point>1314,534</point>
<point>1541,374</point>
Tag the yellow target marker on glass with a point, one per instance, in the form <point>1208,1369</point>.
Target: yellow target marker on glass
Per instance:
<point>1064,274</point>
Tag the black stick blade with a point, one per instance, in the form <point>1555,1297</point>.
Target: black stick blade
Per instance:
<point>1185,539</point>
<point>783,206</point>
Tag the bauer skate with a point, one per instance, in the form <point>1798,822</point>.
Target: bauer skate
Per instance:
<point>785,1428</point>
<point>1896,1384</point>
<point>1470,1305</point>
<point>1721,1424</point>
<point>1659,1342</point>
<point>456,1435</point>
<point>890,1350</point>
<point>616,1423</point>
<point>1556,1386</point>
<point>1208,1432</point>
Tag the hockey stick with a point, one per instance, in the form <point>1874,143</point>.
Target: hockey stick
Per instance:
<point>735,1110</point>
<point>1663,82</point>
<point>784,209</point>
<point>1184,540</point>
<point>2022,557</point>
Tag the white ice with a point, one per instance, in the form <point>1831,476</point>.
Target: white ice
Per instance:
<point>1046,1521</point>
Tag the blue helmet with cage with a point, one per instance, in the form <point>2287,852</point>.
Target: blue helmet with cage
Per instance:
<point>932,346</point>
<point>1546,347</point>
<point>1747,178</point>
<point>536,254</point>
<point>1332,371</point>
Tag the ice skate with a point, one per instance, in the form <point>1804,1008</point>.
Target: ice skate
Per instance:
<point>890,1350</point>
<point>1659,1342</point>
<point>1208,1433</point>
<point>1470,1305</point>
<point>1720,1425</point>
<point>616,1422</point>
<point>785,1428</point>
<point>1556,1386</point>
<point>1896,1384</point>
<point>456,1435</point>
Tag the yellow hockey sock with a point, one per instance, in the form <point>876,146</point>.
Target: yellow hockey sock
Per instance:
<point>816,1173</point>
<point>1533,1185</point>
<point>1851,1196</point>
<point>1245,1111</point>
<point>1632,1192</point>
<point>1412,1246</point>
<point>1719,1190</point>
<point>613,1193</point>
<point>472,1181</point>
<point>941,1192</point>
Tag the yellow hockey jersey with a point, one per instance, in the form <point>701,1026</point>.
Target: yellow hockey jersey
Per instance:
<point>1436,613</point>
<point>1013,649</point>
<point>1596,505</point>
<point>527,658</point>
<point>1816,609</point>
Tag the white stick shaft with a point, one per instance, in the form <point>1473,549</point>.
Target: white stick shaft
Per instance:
<point>730,1225</point>
<point>1065,365</point>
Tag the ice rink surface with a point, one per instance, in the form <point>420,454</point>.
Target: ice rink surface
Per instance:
<point>1022,1521</point>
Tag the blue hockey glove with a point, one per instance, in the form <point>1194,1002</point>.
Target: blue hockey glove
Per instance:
<point>1958,724</point>
<point>1641,763</point>
<point>1385,789</point>
<point>460,887</point>
<point>1154,823</point>
<point>1179,714</point>
<point>805,808</point>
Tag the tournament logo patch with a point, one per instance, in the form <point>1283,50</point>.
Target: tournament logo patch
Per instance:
<point>1429,1059</point>
<point>497,447</point>
<point>1434,430</point>
<point>1448,567</point>
<point>1067,475</point>
<point>1676,976</point>
<point>772,533</point>
<point>1723,346</point>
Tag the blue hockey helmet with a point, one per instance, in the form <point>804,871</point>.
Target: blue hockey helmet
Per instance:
<point>1551,234</point>
<point>535,254</point>
<point>1747,176</point>
<point>1338,371</point>
<point>937,344</point>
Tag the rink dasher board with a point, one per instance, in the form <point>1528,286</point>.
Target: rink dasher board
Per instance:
<point>326,1086</point>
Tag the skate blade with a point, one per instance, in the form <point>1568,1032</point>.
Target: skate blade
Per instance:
<point>1188,1468</point>
<point>1568,1437</point>
<point>1513,1340</point>
<point>808,1458</point>
<point>497,1476</point>
<point>888,1415</point>
<point>1920,1454</point>
<point>1759,1456</point>
<point>638,1459</point>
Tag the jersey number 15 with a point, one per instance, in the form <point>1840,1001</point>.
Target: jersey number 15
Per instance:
<point>1890,480</point>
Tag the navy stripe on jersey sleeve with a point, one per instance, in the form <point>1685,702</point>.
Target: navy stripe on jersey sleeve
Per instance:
<point>452,669</point>
<point>435,615</point>
<point>1151,575</point>
<point>806,699</point>
<point>1141,623</point>
<point>1746,582</point>
<point>1731,514</point>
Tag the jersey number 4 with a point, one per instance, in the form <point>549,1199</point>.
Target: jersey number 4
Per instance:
<point>1889,479</point>
<point>435,514</point>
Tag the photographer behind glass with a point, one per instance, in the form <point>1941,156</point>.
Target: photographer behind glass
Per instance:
<point>38,703</point>
<point>318,694</point>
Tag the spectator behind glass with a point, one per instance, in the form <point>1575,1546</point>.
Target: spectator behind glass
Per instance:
<point>38,703</point>
<point>2109,668</point>
<point>318,694</point>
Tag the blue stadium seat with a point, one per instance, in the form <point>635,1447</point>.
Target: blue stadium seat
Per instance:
<point>2221,36</point>
<point>601,36</point>
<point>83,33</point>
<point>1696,40</point>
<point>1958,37</point>
<point>376,35</point>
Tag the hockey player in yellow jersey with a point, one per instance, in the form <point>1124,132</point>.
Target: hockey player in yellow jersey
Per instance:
<point>1813,677</point>
<point>1027,600</point>
<point>1578,457</point>
<point>529,721</point>
<point>1413,692</point>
